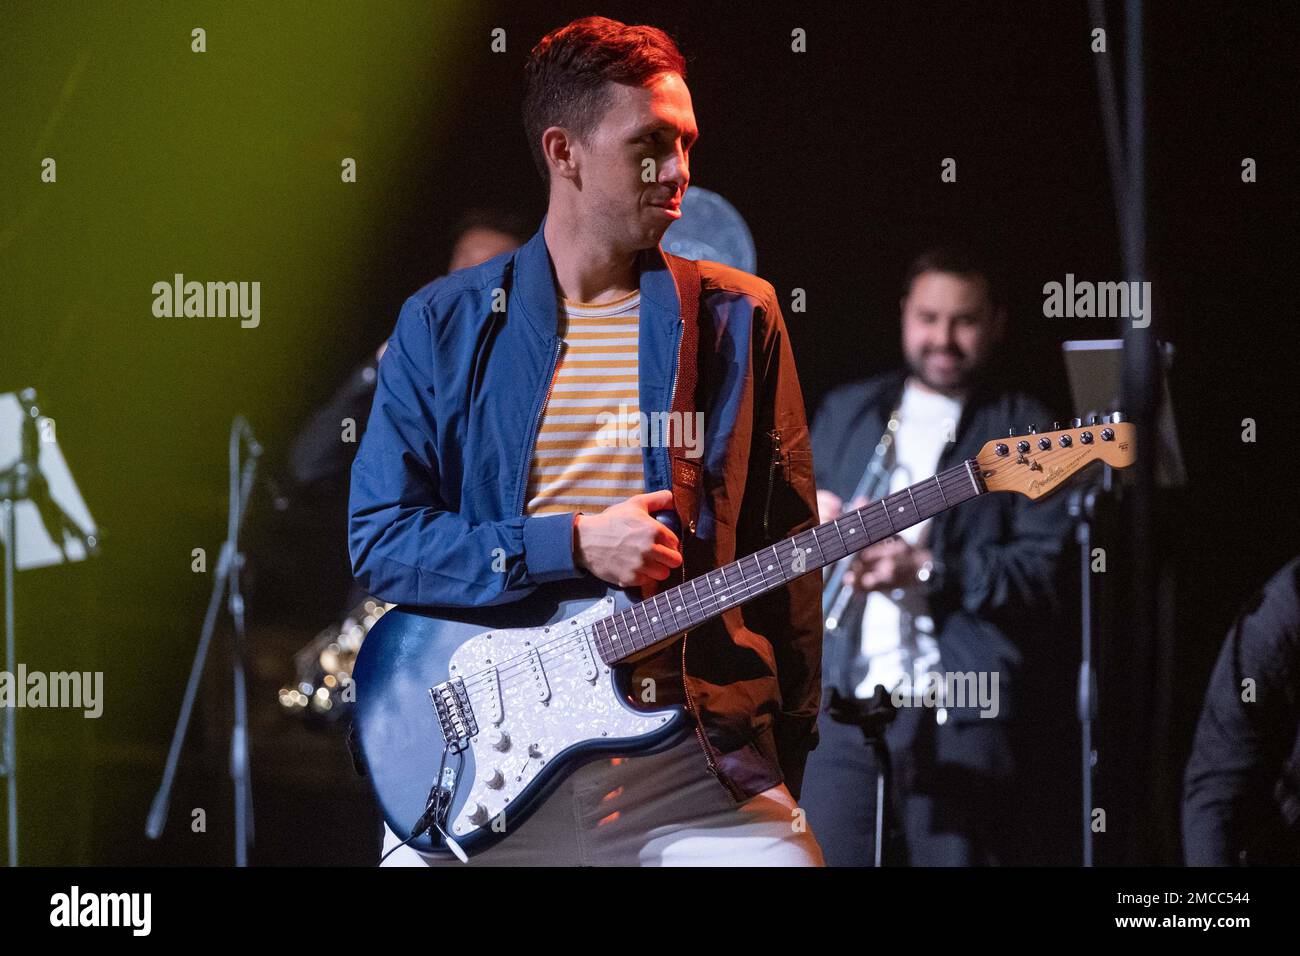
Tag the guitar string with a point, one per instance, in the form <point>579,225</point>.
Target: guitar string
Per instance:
<point>507,669</point>
<point>570,639</point>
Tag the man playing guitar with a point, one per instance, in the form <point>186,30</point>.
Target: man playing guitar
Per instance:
<point>488,470</point>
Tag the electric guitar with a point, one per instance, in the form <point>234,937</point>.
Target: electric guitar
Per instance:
<point>467,718</point>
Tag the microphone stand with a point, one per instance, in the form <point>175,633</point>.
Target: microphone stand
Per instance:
<point>872,716</point>
<point>226,584</point>
<point>1083,508</point>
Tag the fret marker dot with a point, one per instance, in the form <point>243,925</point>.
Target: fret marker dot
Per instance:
<point>679,607</point>
<point>631,628</point>
<point>653,619</point>
<point>769,567</point>
<point>853,531</point>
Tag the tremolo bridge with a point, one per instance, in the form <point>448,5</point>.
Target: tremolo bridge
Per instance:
<point>455,715</point>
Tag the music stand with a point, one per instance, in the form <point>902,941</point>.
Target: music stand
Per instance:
<point>1095,371</point>
<point>43,521</point>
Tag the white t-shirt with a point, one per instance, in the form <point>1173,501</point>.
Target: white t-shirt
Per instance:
<point>897,631</point>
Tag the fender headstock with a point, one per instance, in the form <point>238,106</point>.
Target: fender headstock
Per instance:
<point>1037,463</point>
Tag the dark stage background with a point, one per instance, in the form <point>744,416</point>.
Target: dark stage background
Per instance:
<point>225,165</point>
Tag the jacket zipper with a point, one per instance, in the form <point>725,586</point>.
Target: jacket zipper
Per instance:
<point>686,687</point>
<point>672,391</point>
<point>771,481</point>
<point>685,683</point>
<point>537,424</point>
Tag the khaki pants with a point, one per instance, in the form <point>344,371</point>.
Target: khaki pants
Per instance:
<point>662,810</point>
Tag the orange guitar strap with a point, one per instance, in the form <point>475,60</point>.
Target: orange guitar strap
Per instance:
<point>687,472</point>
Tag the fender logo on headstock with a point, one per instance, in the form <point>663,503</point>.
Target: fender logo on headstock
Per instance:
<point>1039,484</point>
<point>1055,474</point>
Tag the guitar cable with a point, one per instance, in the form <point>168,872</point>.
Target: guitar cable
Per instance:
<point>435,813</point>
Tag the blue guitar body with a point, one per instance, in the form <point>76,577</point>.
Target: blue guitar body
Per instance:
<point>505,700</point>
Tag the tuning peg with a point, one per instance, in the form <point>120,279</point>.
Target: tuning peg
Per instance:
<point>1033,429</point>
<point>1076,422</point>
<point>1116,417</point>
<point>1092,419</point>
<point>1011,433</point>
<point>1056,426</point>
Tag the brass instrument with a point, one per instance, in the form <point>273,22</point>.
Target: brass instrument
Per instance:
<point>842,646</point>
<point>323,689</point>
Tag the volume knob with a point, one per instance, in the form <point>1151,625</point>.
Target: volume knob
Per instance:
<point>497,780</point>
<point>500,740</point>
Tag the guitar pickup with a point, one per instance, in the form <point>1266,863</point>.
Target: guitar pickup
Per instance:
<point>588,659</point>
<point>538,673</point>
<point>492,681</point>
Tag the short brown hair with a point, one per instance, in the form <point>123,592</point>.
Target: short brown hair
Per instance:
<point>568,69</point>
<point>957,258</point>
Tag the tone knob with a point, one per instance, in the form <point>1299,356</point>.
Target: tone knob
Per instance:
<point>500,740</point>
<point>480,815</point>
<point>497,780</point>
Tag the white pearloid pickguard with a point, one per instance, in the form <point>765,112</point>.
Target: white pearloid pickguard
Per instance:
<point>552,691</point>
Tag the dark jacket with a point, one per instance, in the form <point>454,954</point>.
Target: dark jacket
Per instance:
<point>439,482</point>
<point>995,558</point>
<point>1241,797</point>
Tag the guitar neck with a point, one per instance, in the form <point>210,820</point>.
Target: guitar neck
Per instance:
<point>657,619</point>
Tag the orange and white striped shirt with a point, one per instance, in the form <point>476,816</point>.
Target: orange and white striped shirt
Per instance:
<point>588,452</point>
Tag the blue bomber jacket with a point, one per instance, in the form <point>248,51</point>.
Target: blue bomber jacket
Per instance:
<point>439,484</point>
